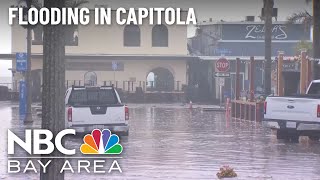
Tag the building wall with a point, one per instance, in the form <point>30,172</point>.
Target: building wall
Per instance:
<point>108,39</point>
<point>137,70</point>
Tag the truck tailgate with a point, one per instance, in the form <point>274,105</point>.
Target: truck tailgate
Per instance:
<point>295,109</point>
<point>98,115</point>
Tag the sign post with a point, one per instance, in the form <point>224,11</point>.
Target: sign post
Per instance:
<point>222,67</point>
<point>114,68</point>
<point>21,66</point>
<point>21,62</point>
<point>22,100</point>
<point>221,84</point>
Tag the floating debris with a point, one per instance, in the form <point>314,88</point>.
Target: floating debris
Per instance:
<point>226,172</point>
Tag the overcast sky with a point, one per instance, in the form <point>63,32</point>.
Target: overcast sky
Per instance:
<point>5,38</point>
<point>227,10</point>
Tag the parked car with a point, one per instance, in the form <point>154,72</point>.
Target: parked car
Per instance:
<point>295,115</point>
<point>89,108</point>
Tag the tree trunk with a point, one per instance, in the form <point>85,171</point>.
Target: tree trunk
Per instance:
<point>268,9</point>
<point>316,37</point>
<point>53,91</point>
<point>28,80</point>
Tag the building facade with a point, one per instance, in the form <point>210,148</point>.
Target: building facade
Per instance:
<point>152,57</point>
<point>244,40</point>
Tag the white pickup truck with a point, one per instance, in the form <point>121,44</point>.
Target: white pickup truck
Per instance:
<point>294,116</point>
<point>89,108</point>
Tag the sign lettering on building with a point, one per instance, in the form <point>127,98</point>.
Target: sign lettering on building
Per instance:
<point>279,32</point>
<point>252,32</point>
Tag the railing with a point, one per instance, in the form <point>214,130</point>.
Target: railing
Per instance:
<point>131,86</point>
<point>244,110</point>
<point>70,83</point>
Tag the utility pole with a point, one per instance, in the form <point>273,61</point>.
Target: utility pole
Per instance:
<point>28,118</point>
<point>268,12</point>
<point>316,37</point>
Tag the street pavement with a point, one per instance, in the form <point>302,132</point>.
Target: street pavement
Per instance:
<point>174,142</point>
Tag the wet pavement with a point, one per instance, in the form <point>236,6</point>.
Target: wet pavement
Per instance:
<point>174,142</point>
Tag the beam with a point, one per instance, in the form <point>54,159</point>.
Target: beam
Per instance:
<point>237,94</point>
<point>252,71</point>
<point>303,71</point>
<point>280,78</point>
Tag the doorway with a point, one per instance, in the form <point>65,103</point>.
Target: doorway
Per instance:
<point>90,79</point>
<point>160,79</point>
<point>291,83</point>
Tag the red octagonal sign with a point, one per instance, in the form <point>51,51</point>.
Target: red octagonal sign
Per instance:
<point>223,65</point>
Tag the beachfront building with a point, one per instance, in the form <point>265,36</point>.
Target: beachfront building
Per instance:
<point>147,57</point>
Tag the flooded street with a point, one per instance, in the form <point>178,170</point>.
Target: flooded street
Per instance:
<point>173,142</point>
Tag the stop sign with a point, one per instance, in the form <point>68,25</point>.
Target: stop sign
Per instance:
<point>222,65</point>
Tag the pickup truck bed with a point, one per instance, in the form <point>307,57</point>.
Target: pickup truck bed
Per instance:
<point>296,115</point>
<point>89,108</point>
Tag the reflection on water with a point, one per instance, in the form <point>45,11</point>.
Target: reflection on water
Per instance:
<point>176,143</point>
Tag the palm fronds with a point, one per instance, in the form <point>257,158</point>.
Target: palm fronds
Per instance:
<point>75,3</point>
<point>301,17</point>
<point>68,3</point>
<point>34,3</point>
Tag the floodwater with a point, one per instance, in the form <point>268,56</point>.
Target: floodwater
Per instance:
<point>173,142</point>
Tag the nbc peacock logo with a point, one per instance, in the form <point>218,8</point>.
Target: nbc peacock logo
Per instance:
<point>101,142</point>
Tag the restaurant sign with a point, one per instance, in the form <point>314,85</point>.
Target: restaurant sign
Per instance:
<point>256,32</point>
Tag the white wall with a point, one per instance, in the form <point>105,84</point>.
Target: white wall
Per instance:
<point>108,39</point>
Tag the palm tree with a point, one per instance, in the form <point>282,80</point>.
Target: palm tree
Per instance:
<point>53,107</point>
<point>268,10</point>
<point>309,20</point>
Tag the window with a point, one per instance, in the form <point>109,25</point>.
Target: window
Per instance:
<point>92,97</point>
<point>314,89</point>
<point>90,79</point>
<point>131,36</point>
<point>160,36</point>
<point>71,35</point>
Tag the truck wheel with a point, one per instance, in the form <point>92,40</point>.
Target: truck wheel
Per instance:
<point>314,138</point>
<point>281,134</point>
<point>294,138</point>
